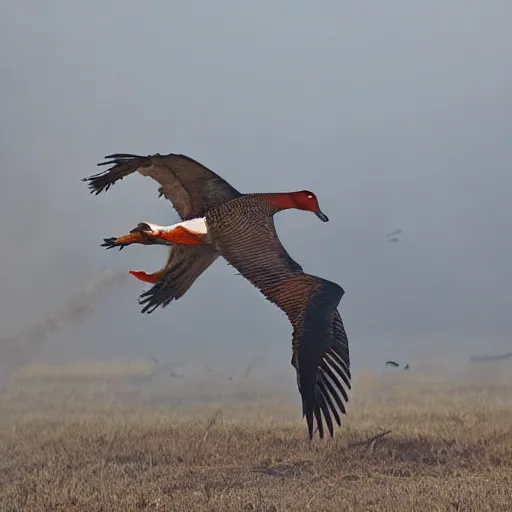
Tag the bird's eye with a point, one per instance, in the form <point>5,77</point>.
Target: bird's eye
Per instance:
<point>310,196</point>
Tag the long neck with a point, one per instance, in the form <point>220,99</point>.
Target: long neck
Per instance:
<point>280,201</point>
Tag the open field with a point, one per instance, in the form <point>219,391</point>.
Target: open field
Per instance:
<point>85,438</point>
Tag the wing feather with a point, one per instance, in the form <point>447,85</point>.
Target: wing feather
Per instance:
<point>321,356</point>
<point>184,265</point>
<point>329,394</point>
<point>191,187</point>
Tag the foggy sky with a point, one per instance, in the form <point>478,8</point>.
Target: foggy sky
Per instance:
<point>396,114</point>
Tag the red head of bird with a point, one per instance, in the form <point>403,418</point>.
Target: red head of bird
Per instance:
<point>307,201</point>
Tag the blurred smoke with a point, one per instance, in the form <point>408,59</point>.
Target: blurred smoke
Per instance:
<point>21,348</point>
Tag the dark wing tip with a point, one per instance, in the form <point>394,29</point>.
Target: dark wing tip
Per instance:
<point>121,165</point>
<point>324,379</point>
<point>330,394</point>
<point>309,421</point>
<point>153,299</point>
<point>119,158</point>
<point>321,410</point>
<point>125,156</point>
<point>171,287</point>
<point>184,266</point>
<point>98,183</point>
<point>327,417</point>
<point>319,422</point>
<point>315,407</point>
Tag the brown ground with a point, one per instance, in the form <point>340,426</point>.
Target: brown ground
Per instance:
<point>81,438</point>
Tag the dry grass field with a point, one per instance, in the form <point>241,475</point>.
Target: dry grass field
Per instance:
<point>84,438</point>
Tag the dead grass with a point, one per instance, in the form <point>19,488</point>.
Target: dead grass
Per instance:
<point>408,444</point>
<point>95,370</point>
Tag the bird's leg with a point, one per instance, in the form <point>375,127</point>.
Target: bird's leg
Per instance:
<point>180,235</point>
<point>142,234</point>
<point>189,232</point>
<point>148,278</point>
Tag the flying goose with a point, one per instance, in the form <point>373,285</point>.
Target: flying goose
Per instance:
<point>219,220</point>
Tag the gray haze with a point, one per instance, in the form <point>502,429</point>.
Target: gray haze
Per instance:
<point>396,114</point>
<point>27,343</point>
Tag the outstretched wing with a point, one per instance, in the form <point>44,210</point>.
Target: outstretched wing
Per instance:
<point>190,186</point>
<point>184,265</point>
<point>321,355</point>
<point>320,345</point>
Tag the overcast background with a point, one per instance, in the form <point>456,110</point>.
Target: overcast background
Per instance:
<point>396,114</point>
